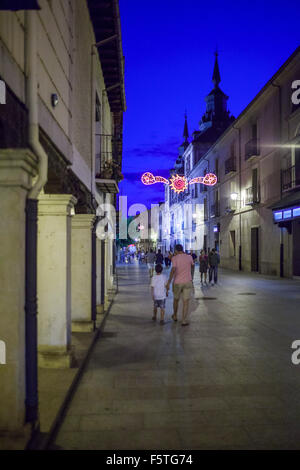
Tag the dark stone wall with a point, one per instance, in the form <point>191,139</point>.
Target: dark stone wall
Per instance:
<point>13,122</point>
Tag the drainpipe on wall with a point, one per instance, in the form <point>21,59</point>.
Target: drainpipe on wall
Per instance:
<point>31,220</point>
<point>281,246</point>
<point>240,193</point>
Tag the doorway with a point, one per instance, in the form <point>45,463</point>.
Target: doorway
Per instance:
<point>296,248</point>
<point>255,249</point>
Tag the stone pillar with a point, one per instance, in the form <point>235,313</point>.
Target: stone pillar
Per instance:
<point>100,306</point>
<point>17,167</point>
<point>82,225</point>
<point>54,279</point>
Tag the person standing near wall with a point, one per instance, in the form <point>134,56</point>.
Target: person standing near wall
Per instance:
<point>203,265</point>
<point>213,261</point>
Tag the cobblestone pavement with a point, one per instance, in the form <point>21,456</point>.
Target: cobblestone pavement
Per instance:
<point>226,381</point>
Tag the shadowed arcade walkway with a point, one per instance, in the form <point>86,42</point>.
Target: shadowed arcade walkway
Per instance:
<point>224,382</point>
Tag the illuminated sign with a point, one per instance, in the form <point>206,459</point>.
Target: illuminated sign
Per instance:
<point>286,214</point>
<point>179,183</point>
<point>278,215</point>
<point>296,212</point>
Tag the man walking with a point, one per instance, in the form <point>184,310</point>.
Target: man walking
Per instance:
<point>159,258</point>
<point>182,283</point>
<point>213,261</point>
<point>150,262</point>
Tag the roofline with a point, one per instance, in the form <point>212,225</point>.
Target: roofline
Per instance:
<point>120,46</point>
<point>259,94</point>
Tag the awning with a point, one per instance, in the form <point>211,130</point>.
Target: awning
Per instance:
<point>287,209</point>
<point>287,201</point>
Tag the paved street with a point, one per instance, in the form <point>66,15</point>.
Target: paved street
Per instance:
<point>224,382</point>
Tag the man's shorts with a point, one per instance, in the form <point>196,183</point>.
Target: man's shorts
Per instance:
<point>150,265</point>
<point>184,289</point>
<point>159,303</point>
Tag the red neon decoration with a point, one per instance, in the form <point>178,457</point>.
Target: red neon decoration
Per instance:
<point>209,179</point>
<point>148,178</point>
<point>179,183</point>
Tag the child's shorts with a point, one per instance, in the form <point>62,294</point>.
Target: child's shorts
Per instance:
<point>160,303</point>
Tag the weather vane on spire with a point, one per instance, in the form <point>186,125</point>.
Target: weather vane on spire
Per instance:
<point>216,74</point>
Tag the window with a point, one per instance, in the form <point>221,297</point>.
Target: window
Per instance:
<point>97,136</point>
<point>217,168</point>
<point>205,209</point>
<point>232,149</point>
<point>232,243</point>
<point>254,131</point>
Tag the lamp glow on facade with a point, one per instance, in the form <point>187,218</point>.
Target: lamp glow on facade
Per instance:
<point>234,196</point>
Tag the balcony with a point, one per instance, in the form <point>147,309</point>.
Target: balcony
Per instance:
<point>252,148</point>
<point>251,196</point>
<point>215,210</point>
<point>290,178</point>
<point>108,170</point>
<point>230,165</point>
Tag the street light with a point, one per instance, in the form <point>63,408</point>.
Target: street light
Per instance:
<point>234,196</point>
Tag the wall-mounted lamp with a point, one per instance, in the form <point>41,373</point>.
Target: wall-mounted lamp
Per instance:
<point>234,196</point>
<point>54,100</point>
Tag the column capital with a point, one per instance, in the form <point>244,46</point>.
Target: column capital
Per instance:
<point>17,167</point>
<point>83,221</point>
<point>56,204</point>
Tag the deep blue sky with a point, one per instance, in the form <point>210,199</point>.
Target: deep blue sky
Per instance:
<point>169,56</point>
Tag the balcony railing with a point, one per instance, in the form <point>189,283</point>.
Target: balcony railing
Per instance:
<point>290,178</point>
<point>215,210</point>
<point>107,171</point>
<point>251,196</point>
<point>251,148</point>
<point>230,165</point>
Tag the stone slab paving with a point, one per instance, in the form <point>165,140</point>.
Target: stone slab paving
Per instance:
<point>224,382</point>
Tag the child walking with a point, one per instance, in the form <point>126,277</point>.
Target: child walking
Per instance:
<point>159,293</point>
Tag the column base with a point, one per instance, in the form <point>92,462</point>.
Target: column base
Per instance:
<point>54,357</point>
<point>17,439</point>
<point>100,309</point>
<point>82,326</point>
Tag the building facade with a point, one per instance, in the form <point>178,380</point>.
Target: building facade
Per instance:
<point>60,163</point>
<point>251,214</point>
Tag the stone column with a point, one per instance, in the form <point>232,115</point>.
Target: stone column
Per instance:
<point>82,225</point>
<point>17,167</point>
<point>54,279</point>
<point>100,306</point>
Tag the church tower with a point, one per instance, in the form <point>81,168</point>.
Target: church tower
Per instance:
<point>216,118</point>
<point>179,164</point>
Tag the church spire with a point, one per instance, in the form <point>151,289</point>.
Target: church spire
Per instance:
<point>216,75</point>
<point>185,129</point>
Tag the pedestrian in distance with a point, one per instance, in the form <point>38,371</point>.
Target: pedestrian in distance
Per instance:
<point>159,293</point>
<point>194,256</point>
<point>181,275</point>
<point>213,262</point>
<point>203,266</point>
<point>170,256</point>
<point>166,261</point>
<point>159,258</point>
<point>150,261</point>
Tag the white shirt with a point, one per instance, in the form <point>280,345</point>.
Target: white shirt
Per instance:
<point>159,282</point>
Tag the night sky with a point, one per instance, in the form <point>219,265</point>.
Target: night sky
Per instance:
<point>169,50</point>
